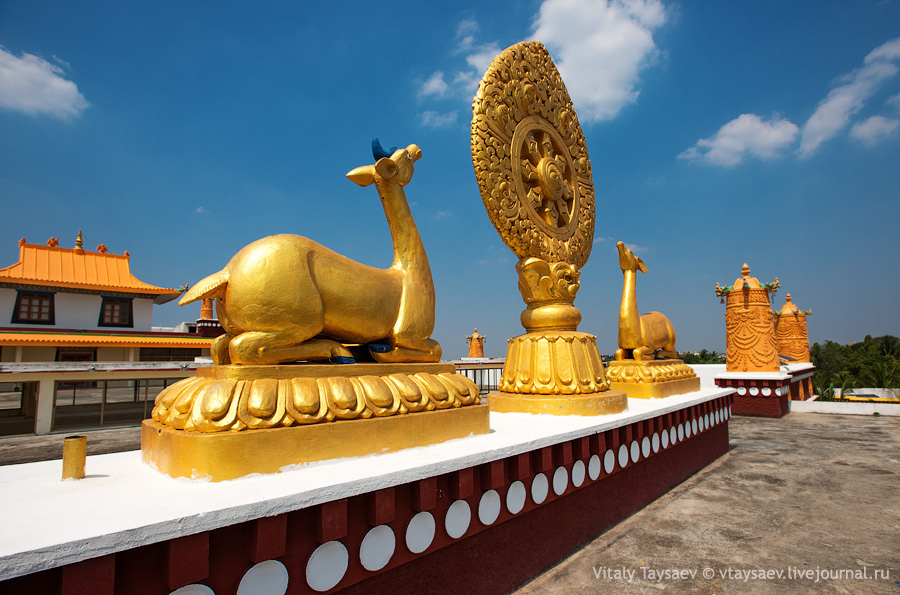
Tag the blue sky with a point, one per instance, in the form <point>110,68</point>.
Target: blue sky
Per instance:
<point>720,133</point>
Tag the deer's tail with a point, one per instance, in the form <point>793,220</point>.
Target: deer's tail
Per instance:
<point>211,287</point>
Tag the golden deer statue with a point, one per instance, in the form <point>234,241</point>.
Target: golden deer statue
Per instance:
<point>287,298</point>
<point>640,337</point>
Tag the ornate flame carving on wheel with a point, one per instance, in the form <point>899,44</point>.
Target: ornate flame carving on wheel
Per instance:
<point>531,159</point>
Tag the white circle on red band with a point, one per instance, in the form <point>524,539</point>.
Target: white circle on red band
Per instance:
<point>560,480</point>
<point>193,590</point>
<point>489,507</point>
<point>539,488</point>
<point>515,497</point>
<point>595,466</point>
<point>420,532</point>
<point>377,548</point>
<point>609,461</point>
<point>458,518</point>
<point>325,569</point>
<point>578,474</point>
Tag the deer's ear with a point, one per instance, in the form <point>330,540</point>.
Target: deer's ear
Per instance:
<point>641,265</point>
<point>386,168</point>
<point>363,176</point>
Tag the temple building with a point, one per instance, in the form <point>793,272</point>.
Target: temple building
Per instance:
<point>72,304</point>
<point>77,345</point>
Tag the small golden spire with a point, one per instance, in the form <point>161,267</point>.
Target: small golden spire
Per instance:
<point>79,241</point>
<point>206,309</point>
<point>476,344</point>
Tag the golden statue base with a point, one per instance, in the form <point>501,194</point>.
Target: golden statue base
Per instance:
<point>608,401</point>
<point>652,379</point>
<point>553,363</point>
<point>555,373</point>
<point>230,421</point>
<point>229,455</point>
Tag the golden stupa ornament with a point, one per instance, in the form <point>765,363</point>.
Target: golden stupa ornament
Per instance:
<point>791,337</point>
<point>749,331</point>
<point>534,174</point>
<point>643,339</point>
<point>286,299</point>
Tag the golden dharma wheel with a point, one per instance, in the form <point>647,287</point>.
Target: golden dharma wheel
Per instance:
<point>531,159</point>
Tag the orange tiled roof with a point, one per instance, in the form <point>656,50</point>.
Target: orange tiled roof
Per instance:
<point>52,266</point>
<point>37,339</point>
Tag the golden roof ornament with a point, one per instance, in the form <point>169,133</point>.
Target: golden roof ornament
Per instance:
<point>791,338</point>
<point>532,167</point>
<point>749,330</point>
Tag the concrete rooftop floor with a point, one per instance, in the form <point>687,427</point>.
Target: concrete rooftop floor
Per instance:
<point>810,494</point>
<point>806,493</point>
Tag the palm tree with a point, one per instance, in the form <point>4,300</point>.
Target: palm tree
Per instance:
<point>845,380</point>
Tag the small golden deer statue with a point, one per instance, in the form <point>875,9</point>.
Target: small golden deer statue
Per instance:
<point>281,296</point>
<point>640,337</point>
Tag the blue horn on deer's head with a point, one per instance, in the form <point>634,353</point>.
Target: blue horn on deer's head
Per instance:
<point>379,152</point>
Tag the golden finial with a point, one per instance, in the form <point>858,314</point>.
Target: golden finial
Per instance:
<point>476,344</point>
<point>79,241</point>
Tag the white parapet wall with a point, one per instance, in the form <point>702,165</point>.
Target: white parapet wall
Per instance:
<point>845,408</point>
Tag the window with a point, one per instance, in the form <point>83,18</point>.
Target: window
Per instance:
<point>116,312</point>
<point>169,354</point>
<point>34,308</point>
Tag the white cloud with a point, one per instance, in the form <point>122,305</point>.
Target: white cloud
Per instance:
<point>842,102</point>
<point>482,56</point>
<point>442,214</point>
<point>600,239</point>
<point>433,119</point>
<point>889,51</point>
<point>894,101</point>
<point>465,34</point>
<point>874,130</point>
<point>201,210</point>
<point>434,85</point>
<point>34,86</point>
<point>636,249</point>
<point>747,134</point>
<point>600,49</point>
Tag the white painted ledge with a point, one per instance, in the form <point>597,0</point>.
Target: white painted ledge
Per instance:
<point>845,408</point>
<point>123,503</point>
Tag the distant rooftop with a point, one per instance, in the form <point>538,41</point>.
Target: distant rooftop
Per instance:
<point>76,268</point>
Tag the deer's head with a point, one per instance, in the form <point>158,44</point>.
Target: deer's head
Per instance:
<point>628,261</point>
<point>397,166</point>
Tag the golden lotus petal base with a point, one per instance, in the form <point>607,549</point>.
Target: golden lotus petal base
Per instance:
<point>553,363</point>
<point>602,403</point>
<point>240,398</point>
<point>652,379</point>
<point>229,455</point>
